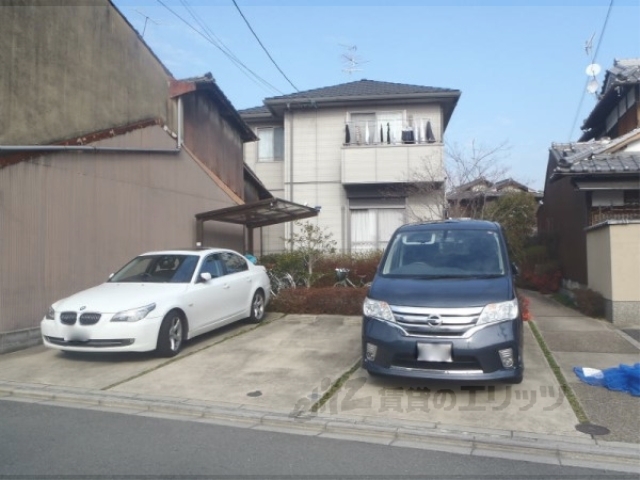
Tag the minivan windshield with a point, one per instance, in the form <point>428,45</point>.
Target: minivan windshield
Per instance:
<point>445,253</point>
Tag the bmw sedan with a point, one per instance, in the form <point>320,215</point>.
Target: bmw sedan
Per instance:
<point>157,301</point>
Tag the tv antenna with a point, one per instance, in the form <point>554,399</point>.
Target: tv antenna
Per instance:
<point>588,45</point>
<point>351,60</point>
<point>147,18</point>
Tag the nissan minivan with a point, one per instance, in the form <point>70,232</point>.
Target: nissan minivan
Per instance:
<point>443,305</point>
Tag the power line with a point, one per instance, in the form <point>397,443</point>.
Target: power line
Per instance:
<point>593,59</point>
<point>246,70</point>
<point>264,48</point>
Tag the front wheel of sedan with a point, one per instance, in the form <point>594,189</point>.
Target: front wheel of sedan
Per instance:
<point>257,307</point>
<point>171,335</point>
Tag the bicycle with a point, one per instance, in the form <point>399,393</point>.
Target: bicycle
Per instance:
<point>280,282</point>
<point>342,274</point>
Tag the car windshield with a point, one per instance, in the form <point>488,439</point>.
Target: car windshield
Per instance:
<point>453,253</point>
<point>164,268</point>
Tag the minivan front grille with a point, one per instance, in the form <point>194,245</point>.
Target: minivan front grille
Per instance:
<point>436,322</point>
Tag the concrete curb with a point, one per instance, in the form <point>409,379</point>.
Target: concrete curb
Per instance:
<point>541,448</point>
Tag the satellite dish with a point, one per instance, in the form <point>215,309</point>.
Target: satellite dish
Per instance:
<point>593,69</point>
<point>592,86</point>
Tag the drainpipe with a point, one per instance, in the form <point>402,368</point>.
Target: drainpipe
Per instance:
<point>179,122</point>
<point>289,226</point>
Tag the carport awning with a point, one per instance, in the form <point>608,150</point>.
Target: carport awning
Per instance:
<point>270,211</point>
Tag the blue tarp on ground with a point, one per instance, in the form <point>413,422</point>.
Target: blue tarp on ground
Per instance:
<point>625,378</point>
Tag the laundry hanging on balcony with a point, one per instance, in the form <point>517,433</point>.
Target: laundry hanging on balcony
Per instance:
<point>388,133</point>
<point>366,133</point>
<point>381,134</point>
<point>347,135</point>
<point>430,136</point>
<point>407,135</point>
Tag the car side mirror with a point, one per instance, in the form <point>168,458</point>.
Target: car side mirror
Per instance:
<point>515,269</point>
<point>205,277</point>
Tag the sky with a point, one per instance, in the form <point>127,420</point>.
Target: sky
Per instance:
<point>521,66</point>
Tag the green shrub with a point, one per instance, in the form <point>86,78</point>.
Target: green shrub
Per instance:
<point>535,255</point>
<point>317,301</point>
<point>362,264</point>
<point>589,302</point>
<point>287,262</point>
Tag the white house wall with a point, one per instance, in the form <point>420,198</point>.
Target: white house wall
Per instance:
<point>312,169</point>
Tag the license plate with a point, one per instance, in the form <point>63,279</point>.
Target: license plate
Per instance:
<point>434,352</point>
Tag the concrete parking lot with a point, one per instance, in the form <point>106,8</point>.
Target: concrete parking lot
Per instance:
<point>289,363</point>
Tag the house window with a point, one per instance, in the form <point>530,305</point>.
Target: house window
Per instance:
<point>271,144</point>
<point>371,228</point>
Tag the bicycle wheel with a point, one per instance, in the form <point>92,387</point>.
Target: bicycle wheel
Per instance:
<point>287,281</point>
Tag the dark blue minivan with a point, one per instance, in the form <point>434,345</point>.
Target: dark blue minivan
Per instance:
<point>443,305</point>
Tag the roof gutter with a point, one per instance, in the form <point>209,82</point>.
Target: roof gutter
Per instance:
<point>363,98</point>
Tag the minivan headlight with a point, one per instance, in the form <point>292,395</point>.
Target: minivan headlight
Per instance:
<point>377,309</point>
<point>134,314</point>
<point>499,312</point>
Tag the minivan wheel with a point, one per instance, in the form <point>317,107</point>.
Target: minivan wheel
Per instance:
<point>171,335</point>
<point>257,307</point>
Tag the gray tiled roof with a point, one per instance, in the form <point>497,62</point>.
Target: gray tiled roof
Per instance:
<point>359,92</point>
<point>364,88</point>
<point>623,163</point>
<point>262,110</point>
<point>624,71</point>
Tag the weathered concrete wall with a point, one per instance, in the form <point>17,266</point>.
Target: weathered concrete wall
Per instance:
<point>70,70</point>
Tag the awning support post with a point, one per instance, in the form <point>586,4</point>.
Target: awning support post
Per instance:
<point>199,232</point>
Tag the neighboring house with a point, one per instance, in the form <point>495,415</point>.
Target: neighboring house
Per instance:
<point>470,199</point>
<point>353,150</point>
<point>103,155</point>
<point>591,204</point>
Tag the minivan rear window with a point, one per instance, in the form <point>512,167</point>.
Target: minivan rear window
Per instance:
<point>445,253</point>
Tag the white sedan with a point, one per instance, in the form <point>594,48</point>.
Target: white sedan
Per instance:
<point>157,301</point>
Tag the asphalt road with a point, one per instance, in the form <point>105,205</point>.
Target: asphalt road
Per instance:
<point>48,441</point>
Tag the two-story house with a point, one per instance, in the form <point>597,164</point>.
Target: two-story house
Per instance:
<point>355,151</point>
<point>591,203</point>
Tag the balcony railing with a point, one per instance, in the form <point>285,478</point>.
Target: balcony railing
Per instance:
<point>389,133</point>
<point>624,212</point>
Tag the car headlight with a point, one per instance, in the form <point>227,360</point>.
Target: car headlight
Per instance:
<point>377,309</point>
<point>499,312</point>
<point>51,314</point>
<point>134,314</point>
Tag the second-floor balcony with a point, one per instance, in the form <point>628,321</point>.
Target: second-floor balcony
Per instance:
<point>392,163</point>
<point>391,151</point>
